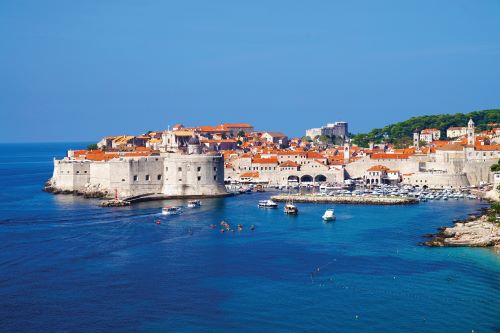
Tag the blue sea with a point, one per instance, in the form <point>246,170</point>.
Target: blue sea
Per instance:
<point>67,265</point>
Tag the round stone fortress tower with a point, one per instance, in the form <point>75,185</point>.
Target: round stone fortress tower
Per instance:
<point>194,173</point>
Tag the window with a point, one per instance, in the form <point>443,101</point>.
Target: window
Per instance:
<point>158,177</point>
<point>78,172</point>
<point>215,168</point>
<point>198,169</point>
<point>179,169</point>
<point>123,180</point>
<point>85,171</point>
<point>135,178</point>
<point>180,179</point>
<point>166,168</point>
<point>215,177</point>
<point>147,177</point>
<point>199,178</point>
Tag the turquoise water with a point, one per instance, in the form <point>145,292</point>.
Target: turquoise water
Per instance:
<point>67,265</point>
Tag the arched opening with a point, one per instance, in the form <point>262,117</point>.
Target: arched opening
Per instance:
<point>320,178</point>
<point>293,179</point>
<point>306,179</point>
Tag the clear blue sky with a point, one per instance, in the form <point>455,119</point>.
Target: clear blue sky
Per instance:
<point>79,70</point>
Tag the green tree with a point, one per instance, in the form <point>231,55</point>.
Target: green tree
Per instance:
<point>241,134</point>
<point>92,146</point>
<point>496,167</point>
<point>323,139</point>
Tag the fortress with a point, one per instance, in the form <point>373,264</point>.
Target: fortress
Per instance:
<point>191,162</point>
<point>179,169</point>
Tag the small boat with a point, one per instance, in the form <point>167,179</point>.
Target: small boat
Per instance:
<point>267,204</point>
<point>291,209</point>
<point>329,215</point>
<point>194,204</point>
<point>170,210</point>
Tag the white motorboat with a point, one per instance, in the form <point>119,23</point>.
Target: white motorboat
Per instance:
<point>291,209</point>
<point>267,204</point>
<point>329,215</point>
<point>170,210</point>
<point>194,204</point>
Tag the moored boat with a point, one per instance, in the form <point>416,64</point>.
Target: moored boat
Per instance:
<point>329,215</point>
<point>291,209</point>
<point>267,204</point>
<point>170,210</point>
<point>194,204</point>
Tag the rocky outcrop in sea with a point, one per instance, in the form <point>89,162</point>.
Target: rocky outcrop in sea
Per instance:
<point>475,232</point>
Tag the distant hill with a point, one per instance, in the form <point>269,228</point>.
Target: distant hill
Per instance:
<point>401,133</point>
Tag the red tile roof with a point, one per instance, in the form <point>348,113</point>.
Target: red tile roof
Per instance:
<point>289,164</point>
<point>270,160</point>
<point>380,156</point>
<point>378,168</point>
<point>252,174</point>
<point>487,147</point>
<point>452,147</point>
<point>237,125</point>
<point>429,130</point>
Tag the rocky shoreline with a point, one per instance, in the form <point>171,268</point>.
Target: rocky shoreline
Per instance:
<point>108,200</point>
<point>345,200</point>
<point>88,193</point>
<point>482,231</point>
<point>473,232</point>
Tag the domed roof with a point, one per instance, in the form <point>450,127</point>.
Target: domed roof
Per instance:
<point>194,140</point>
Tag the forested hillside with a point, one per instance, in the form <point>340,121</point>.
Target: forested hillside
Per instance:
<point>401,133</point>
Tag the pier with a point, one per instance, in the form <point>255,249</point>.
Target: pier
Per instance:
<point>366,200</point>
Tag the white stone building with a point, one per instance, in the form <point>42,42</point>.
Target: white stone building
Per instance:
<point>456,132</point>
<point>430,134</point>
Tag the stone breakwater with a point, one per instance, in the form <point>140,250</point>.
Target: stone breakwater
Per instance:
<point>476,232</point>
<point>114,203</point>
<point>368,200</point>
